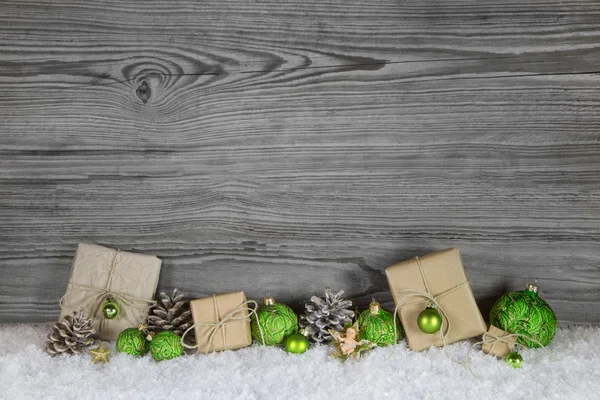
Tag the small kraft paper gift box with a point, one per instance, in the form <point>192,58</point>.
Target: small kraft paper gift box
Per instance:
<point>100,275</point>
<point>439,279</point>
<point>498,342</point>
<point>222,322</point>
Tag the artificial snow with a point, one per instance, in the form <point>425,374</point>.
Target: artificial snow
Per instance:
<point>259,372</point>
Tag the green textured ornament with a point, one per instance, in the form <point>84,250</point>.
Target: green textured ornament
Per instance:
<point>165,346</point>
<point>111,309</point>
<point>514,359</point>
<point>133,342</point>
<point>276,320</point>
<point>525,313</point>
<point>377,325</point>
<point>429,320</point>
<point>297,343</point>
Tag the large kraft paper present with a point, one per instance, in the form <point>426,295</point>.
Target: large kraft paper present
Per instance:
<point>439,276</point>
<point>100,273</point>
<point>222,322</point>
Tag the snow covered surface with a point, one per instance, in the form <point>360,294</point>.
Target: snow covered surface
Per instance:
<point>258,372</point>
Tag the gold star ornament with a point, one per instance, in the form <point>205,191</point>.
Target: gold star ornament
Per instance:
<point>100,354</point>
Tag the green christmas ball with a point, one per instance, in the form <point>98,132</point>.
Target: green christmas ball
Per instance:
<point>111,309</point>
<point>429,320</point>
<point>165,346</point>
<point>377,326</point>
<point>133,342</point>
<point>296,343</point>
<point>525,313</point>
<point>514,359</point>
<point>276,320</point>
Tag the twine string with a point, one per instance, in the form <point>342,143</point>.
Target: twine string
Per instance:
<point>220,324</point>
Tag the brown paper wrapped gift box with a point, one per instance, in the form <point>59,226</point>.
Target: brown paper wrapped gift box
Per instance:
<point>100,272</point>
<point>499,348</point>
<point>221,322</point>
<point>442,275</point>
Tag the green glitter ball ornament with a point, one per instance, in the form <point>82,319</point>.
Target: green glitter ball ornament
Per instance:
<point>133,342</point>
<point>377,325</point>
<point>276,320</point>
<point>165,346</point>
<point>525,313</point>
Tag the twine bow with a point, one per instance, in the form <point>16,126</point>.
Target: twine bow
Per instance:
<point>220,324</point>
<point>490,338</point>
<point>100,295</point>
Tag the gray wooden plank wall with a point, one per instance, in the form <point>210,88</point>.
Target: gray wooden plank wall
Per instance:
<point>291,145</point>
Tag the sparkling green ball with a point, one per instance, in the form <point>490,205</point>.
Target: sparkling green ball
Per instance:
<point>133,342</point>
<point>296,343</point>
<point>514,359</point>
<point>111,309</point>
<point>429,320</point>
<point>377,326</point>
<point>165,346</point>
<point>525,313</point>
<point>277,321</point>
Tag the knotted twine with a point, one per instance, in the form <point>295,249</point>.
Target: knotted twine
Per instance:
<point>100,295</point>
<point>220,324</point>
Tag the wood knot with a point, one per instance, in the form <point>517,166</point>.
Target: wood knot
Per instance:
<point>143,92</point>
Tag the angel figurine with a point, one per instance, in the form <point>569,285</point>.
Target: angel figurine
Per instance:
<point>347,345</point>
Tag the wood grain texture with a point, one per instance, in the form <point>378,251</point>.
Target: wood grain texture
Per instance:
<point>287,146</point>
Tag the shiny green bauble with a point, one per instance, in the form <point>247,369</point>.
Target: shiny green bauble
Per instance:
<point>296,343</point>
<point>525,313</point>
<point>133,342</point>
<point>429,320</point>
<point>377,325</point>
<point>165,346</point>
<point>514,359</point>
<point>111,309</point>
<point>276,320</point>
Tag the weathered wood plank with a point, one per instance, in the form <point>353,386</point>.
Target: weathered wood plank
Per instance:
<point>287,146</point>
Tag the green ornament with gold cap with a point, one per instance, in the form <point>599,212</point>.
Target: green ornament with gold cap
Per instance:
<point>377,325</point>
<point>525,313</point>
<point>297,343</point>
<point>133,341</point>
<point>276,321</point>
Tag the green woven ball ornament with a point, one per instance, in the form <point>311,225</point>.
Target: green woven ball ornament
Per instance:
<point>525,313</point>
<point>276,320</point>
<point>165,346</point>
<point>377,325</point>
<point>133,342</point>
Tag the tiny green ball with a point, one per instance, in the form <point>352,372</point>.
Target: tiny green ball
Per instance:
<point>165,346</point>
<point>111,309</point>
<point>429,320</point>
<point>514,359</point>
<point>296,343</point>
<point>133,342</point>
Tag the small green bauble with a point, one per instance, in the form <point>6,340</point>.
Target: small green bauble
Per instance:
<point>133,342</point>
<point>525,313</point>
<point>297,343</point>
<point>111,309</point>
<point>165,346</point>
<point>429,320</point>
<point>276,320</point>
<point>514,359</point>
<point>377,325</point>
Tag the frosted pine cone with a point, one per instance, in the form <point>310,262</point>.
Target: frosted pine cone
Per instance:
<point>321,315</point>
